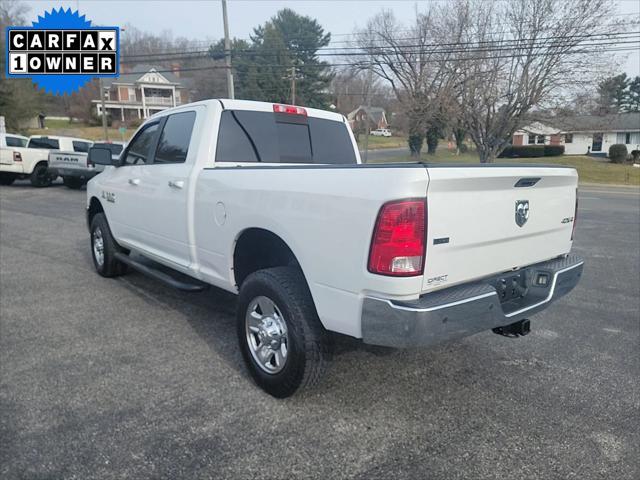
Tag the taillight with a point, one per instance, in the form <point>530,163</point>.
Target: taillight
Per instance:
<point>398,244</point>
<point>17,157</point>
<point>289,109</point>
<point>575,217</point>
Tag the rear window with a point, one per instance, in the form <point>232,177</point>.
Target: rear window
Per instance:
<point>15,141</point>
<point>44,142</point>
<point>115,148</point>
<point>82,147</point>
<point>267,137</point>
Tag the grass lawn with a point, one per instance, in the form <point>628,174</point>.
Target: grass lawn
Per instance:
<point>80,130</point>
<point>376,143</point>
<point>589,170</point>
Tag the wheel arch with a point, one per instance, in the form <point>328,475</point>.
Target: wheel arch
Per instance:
<point>258,248</point>
<point>93,209</point>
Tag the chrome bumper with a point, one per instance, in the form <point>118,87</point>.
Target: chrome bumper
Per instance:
<point>463,310</point>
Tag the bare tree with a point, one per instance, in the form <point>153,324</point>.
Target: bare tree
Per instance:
<point>514,56</point>
<point>419,76</point>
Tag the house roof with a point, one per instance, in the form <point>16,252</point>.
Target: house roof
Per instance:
<point>138,71</point>
<point>600,123</point>
<point>374,113</point>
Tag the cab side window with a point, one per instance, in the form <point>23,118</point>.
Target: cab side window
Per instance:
<point>174,140</point>
<point>140,148</point>
<point>81,146</point>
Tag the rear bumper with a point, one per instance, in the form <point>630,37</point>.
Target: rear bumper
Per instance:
<point>72,172</point>
<point>463,310</point>
<point>12,168</point>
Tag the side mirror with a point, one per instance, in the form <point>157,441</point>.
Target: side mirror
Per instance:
<point>100,156</point>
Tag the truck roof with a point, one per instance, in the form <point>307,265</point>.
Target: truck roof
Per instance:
<point>229,104</point>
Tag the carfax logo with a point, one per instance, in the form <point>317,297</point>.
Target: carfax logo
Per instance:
<point>61,52</point>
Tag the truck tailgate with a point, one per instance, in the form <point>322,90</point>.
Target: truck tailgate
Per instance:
<point>491,219</point>
<point>67,160</point>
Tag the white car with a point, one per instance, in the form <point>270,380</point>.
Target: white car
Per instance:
<point>272,202</point>
<point>381,132</point>
<point>32,161</point>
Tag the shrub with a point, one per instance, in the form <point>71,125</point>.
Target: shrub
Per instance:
<point>463,148</point>
<point>415,143</point>
<point>635,156</point>
<point>526,151</point>
<point>618,153</point>
<point>553,150</point>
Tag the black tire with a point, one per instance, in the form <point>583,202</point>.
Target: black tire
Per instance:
<point>110,266</point>
<point>308,343</point>
<point>40,176</point>
<point>7,178</point>
<point>73,183</point>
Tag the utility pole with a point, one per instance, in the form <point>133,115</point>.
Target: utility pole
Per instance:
<point>368,129</point>
<point>104,111</point>
<point>227,51</point>
<point>293,85</point>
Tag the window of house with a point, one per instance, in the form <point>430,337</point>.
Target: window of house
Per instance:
<point>568,138</point>
<point>531,140</point>
<point>540,139</point>
<point>140,147</point>
<point>174,140</point>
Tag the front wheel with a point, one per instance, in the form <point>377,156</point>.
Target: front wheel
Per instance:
<point>40,176</point>
<point>281,338</point>
<point>104,248</point>
<point>73,183</point>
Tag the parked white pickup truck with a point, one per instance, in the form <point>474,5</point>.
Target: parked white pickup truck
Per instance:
<point>32,161</point>
<point>271,202</point>
<point>74,167</point>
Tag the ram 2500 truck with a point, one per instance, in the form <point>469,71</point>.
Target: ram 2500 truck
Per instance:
<point>75,168</point>
<point>272,202</point>
<point>32,161</point>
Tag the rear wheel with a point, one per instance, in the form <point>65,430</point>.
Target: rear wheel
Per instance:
<point>104,248</point>
<point>7,178</point>
<point>40,176</point>
<point>74,183</point>
<point>281,338</point>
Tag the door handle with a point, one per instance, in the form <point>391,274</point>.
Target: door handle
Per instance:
<point>176,183</point>
<point>134,181</point>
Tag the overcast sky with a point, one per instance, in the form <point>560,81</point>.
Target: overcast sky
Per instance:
<point>201,20</point>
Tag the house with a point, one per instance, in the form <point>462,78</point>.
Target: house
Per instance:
<point>596,133</point>
<point>374,115</point>
<point>537,134</point>
<point>140,93</point>
<point>584,134</point>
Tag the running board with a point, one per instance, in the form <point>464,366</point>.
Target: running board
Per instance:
<point>193,286</point>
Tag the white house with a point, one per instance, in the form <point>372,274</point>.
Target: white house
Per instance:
<point>595,134</point>
<point>580,135</point>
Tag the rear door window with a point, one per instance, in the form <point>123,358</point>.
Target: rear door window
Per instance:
<point>267,137</point>
<point>45,143</point>
<point>174,140</point>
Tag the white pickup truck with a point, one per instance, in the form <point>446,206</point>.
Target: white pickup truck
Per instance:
<point>74,166</point>
<point>32,161</point>
<point>272,202</point>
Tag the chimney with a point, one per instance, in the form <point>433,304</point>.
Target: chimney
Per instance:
<point>175,68</point>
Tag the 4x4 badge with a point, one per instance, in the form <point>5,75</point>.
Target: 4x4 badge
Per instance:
<point>522,212</point>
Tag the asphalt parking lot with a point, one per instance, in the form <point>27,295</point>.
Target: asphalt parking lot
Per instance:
<point>126,378</point>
